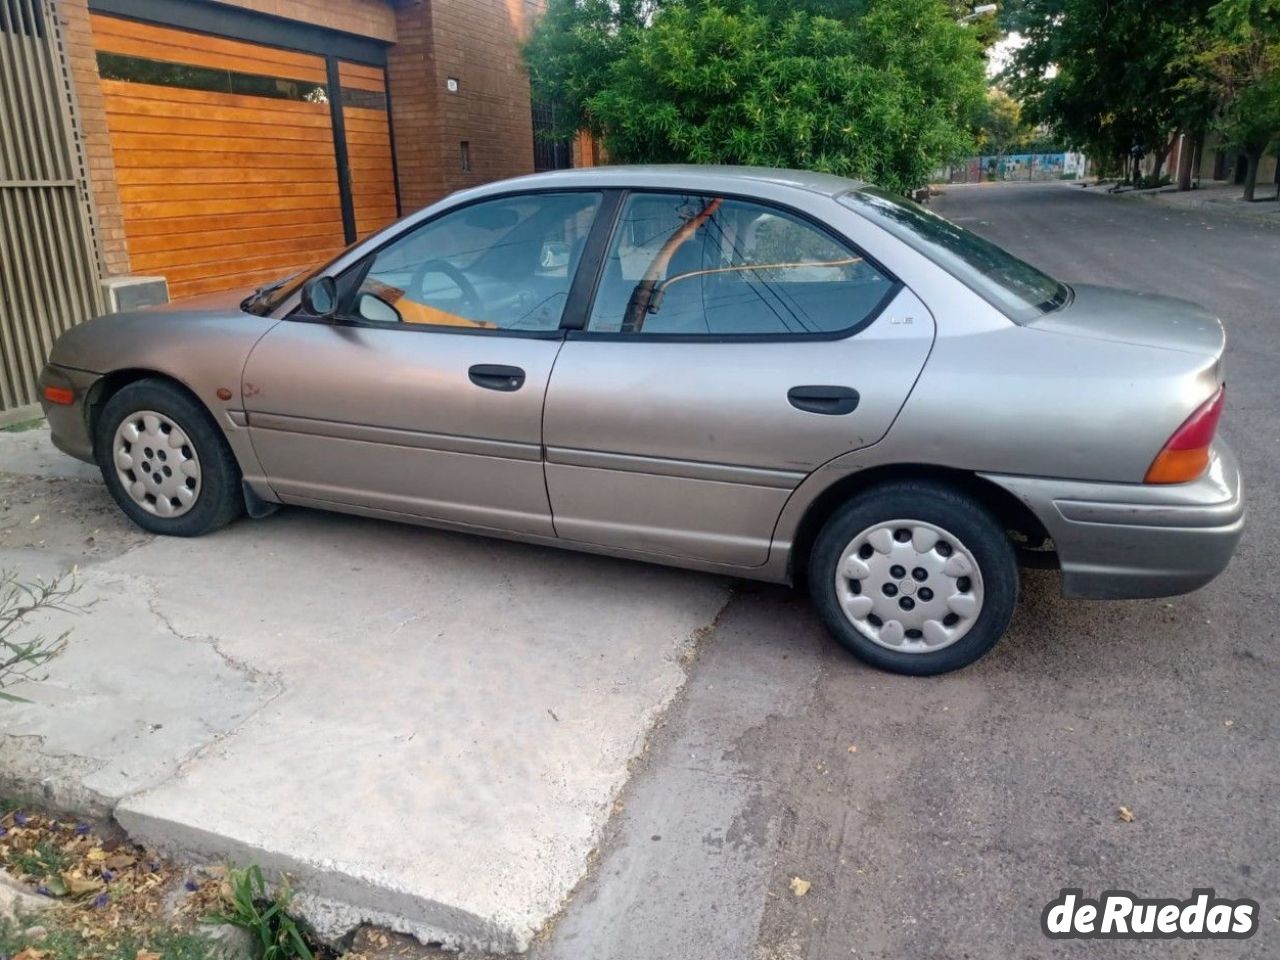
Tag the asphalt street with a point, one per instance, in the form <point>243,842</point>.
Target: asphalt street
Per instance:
<point>935,818</point>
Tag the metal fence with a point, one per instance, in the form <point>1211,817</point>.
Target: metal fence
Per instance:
<point>48,268</point>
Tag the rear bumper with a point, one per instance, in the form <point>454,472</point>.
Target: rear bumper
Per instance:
<point>69,423</point>
<point>1127,541</point>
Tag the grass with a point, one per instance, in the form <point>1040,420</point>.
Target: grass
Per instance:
<point>22,426</point>
<point>113,900</point>
<point>65,942</point>
<point>42,862</point>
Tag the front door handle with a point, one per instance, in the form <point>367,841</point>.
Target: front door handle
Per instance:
<point>818,398</point>
<point>496,376</point>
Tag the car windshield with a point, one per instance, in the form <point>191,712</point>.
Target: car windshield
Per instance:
<point>1016,288</point>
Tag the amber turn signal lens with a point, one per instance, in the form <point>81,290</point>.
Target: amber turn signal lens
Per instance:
<point>1178,466</point>
<point>1186,455</point>
<point>62,396</point>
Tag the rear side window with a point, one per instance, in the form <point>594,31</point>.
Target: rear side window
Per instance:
<point>1014,287</point>
<point>690,265</point>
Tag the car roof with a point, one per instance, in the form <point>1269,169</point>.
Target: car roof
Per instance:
<point>676,176</point>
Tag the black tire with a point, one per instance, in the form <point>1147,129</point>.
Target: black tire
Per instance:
<point>219,499</point>
<point>940,505</point>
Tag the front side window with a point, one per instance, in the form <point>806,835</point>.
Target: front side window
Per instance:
<point>501,264</point>
<point>1014,287</point>
<point>701,265</point>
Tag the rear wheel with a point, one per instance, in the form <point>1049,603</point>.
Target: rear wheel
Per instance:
<point>166,462</point>
<point>914,577</point>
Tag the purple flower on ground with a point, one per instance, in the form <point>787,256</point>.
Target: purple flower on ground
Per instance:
<point>82,829</point>
<point>153,866</point>
<point>100,901</point>
<point>21,819</point>
<point>3,832</point>
<point>44,891</point>
<point>191,885</point>
<point>108,874</point>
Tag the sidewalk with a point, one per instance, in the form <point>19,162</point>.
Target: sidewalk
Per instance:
<point>427,731</point>
<point>1221,198</point>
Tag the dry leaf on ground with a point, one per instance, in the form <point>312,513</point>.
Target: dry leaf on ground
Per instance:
<point>1126,815</point>
<point>800,887</point>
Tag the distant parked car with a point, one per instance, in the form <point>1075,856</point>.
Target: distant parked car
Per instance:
<point>770,374</point>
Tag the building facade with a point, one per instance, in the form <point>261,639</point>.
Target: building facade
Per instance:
<point>221,145</point>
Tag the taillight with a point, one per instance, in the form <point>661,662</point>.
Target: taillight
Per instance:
<point>1186,455</point>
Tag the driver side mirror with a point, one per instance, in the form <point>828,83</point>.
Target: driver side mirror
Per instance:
<point>320,297</point>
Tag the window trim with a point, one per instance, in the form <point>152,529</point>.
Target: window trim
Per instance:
<point>580,332</point>
<point>343,318</point>
<point>1046,307</point>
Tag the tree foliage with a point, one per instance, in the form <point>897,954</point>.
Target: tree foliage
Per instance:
<point>1002,128</point>
<point>1105,74</point>
<point>1109,74</point>
<point>1234,61</point>
<point>572,48</point>
<point>880,89</point>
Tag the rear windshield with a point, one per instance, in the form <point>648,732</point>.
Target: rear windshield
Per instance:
<point>1016,288</point>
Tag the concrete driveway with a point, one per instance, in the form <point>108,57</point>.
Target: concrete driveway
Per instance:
<point>427,731</point>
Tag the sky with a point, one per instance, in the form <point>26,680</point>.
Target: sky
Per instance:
<point>998,55</point>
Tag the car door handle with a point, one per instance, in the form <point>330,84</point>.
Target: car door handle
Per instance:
<point>818,398</point>
<point>496,376</point>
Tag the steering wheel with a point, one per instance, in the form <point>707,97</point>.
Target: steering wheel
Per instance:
<point>471,299</point>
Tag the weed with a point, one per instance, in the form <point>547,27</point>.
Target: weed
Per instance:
<point>22,426</point>
<point>64,942</point>
<point>249,906</point>
<point>42,862</point>
<point>20,659</point>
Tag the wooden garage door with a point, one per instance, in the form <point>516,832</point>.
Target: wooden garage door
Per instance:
<point>373,176</point>
<point>223,152</point>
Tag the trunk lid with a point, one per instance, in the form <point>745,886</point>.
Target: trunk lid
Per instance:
<point>1145,319</point>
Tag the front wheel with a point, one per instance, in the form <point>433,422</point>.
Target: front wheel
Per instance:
<point>165,462</point>
<point>914,578</point>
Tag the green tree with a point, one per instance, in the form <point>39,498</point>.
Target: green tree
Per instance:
<point>1235,61</point>
<point>1002,128</point>
<point>1105,74</point>
<point>571,50</point>
<point>887,92</point>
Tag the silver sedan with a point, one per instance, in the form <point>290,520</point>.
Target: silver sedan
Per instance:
<point>764,373</point>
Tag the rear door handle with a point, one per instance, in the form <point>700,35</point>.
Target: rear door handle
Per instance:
<point>496,376</point>
<point>819,398</point>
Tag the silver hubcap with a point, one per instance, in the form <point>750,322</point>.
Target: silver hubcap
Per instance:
<point>156,464</point>
<point>909,586</point>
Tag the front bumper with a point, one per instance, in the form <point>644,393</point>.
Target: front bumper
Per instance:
<point>1119,541</point>
<point>69,423</point>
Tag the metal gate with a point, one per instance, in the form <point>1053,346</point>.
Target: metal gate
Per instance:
<point>48,266</point>
<point>548,154</point>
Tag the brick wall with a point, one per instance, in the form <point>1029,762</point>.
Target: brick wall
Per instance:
<point>73,20</point>
<point>477,43</point>
<point>367,18</point>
